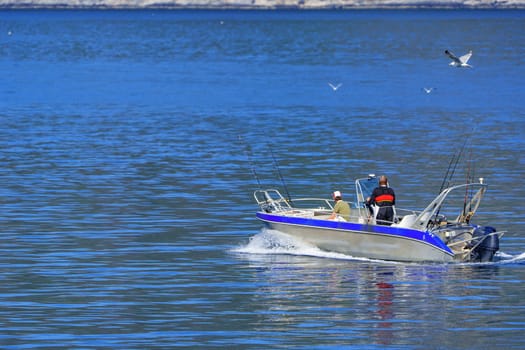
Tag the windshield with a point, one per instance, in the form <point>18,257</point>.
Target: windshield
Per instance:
<point>364,188</point>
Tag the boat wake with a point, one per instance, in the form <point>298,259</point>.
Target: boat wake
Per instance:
<point>504,258</point>
<point>273,242</point>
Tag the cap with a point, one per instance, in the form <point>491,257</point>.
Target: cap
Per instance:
<point>336,194</point>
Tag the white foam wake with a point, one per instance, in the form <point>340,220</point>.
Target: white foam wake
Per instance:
<point>275,242</point>
<point>510,259</point>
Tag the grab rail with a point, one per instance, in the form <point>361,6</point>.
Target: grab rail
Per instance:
<point>271,200</point>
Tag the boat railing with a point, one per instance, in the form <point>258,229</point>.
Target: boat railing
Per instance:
<point>313,203</point>
<point>465,248</point>
<point>271,200</point>
<point>477,240</point>
<point>402,217</point>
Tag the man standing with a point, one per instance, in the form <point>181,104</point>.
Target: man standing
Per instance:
<point>385,198</point>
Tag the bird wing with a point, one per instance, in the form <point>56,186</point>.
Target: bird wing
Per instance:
<point>452,57</point>
<point>464,59</point>
<point>336,86</point>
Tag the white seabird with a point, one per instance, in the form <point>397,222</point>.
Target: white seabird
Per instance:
<point>428,90</point>
<point>335,87</point>
<point>459,61</point>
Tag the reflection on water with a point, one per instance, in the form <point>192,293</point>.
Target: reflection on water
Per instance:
<point>384,310</point>
<point>383,300</point>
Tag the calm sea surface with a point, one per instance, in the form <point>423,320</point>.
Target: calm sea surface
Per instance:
<point>131,143</point>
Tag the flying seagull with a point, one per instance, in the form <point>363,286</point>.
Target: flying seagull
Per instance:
<point>459,61</point>
<point>428,90</point>
<point>335,87</point>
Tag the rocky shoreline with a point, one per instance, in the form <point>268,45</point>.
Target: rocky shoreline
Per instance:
<point>262,4</point>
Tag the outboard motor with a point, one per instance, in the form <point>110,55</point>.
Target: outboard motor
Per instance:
<point>487,246</point>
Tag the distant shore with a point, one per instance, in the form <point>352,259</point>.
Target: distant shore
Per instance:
<point>262,4</point>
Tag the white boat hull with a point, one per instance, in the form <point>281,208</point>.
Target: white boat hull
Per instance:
<point>365,242</point>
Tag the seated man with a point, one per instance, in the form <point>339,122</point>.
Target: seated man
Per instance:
<point>341,207</point>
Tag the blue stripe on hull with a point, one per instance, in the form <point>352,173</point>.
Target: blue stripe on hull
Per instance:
<point>397,232</point>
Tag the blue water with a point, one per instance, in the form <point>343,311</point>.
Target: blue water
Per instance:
<point>131,143</point>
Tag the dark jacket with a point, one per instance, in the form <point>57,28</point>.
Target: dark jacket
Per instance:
<point>383,196</point>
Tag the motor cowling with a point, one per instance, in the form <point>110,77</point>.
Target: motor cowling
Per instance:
<point>486,244</point>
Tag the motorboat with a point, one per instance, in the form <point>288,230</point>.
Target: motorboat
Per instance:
<point>442,232</point>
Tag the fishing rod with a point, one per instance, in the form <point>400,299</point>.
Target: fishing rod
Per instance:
<point>470,178</point>
<point>280,175</point>
<point>455,159</point>
<point>448,171</point>
<point>248,153</point>
<point>450,174</point>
